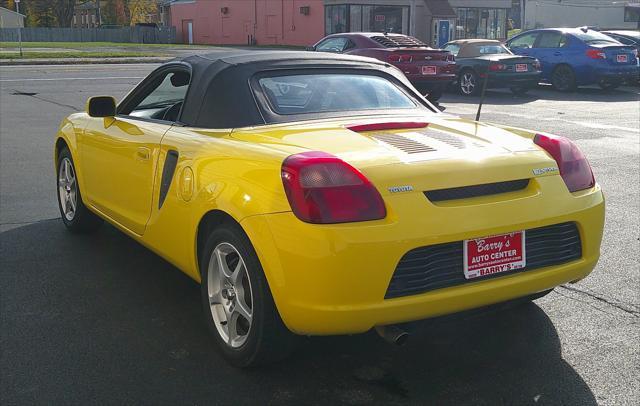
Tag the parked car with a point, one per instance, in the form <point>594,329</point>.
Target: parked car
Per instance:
<point>478,60</point>
<point>572,57</point>
<point>429,70</point>
<point>631,38</point>
<point>318,194</point>
<point>625,37</point>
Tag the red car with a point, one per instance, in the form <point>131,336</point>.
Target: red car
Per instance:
<point>429,70</point>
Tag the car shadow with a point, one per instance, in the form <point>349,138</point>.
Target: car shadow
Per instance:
<point>97,317</point>
<point>545,92</point>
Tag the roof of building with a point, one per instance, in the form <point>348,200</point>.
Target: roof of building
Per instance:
<point>440,8</point>
<point>14,12</point>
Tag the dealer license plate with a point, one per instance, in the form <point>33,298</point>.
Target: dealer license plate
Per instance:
<point>429,70</point>
<point>622,58</point>
<point>521,67</point>
<point>490,255</point>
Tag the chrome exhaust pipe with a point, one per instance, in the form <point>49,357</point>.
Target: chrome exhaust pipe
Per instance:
<point>393,334</point>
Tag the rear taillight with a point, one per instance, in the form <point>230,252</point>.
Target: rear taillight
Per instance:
<point>495,67</point>
<point>596,54</point>
<point>574,167</point>
<point>451,58</point>
<point>634,52</point>
<point>400,58</point>
<point>323,189</point>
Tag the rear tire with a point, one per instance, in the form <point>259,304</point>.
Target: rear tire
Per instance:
<point>75,215</point>
<point>468,83</point>
<point>238,308</point>
<point>563,79</point>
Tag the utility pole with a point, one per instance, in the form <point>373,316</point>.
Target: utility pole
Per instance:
<point>99,14</point>
<point>20,27</point>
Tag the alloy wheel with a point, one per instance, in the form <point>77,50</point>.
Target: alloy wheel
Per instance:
<point>468,83</point>
<point>230,295</point>
<point>67,189</point>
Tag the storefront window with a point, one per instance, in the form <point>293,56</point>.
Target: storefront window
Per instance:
<point>352,18</point>
<point>481,23</point>
<point>336,19</point>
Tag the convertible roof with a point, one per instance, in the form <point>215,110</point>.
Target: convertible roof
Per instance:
<point>220,95</point>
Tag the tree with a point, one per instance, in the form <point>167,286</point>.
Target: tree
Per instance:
<point>141,10</point>
<point>10,4</point>
<point>39,13</point>
<point>63,11</point>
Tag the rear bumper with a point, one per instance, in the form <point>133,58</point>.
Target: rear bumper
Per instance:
<point>332,279</point>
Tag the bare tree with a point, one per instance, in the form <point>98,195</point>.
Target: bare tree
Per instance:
<point>63,11</point>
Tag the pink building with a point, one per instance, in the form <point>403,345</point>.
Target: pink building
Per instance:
<point>237,22</point>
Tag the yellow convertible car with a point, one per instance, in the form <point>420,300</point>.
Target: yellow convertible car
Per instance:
<point>318,194</point>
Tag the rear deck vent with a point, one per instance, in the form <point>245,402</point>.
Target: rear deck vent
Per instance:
<point>397,41</point>
<point>403,143</point>
<point>451,140</point>
<point>467,192</point>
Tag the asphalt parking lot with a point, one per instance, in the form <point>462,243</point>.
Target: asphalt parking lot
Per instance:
<point>101,320</point>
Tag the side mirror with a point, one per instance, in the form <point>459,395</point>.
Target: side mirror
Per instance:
<point>101,106</point>
<point>311,48</point>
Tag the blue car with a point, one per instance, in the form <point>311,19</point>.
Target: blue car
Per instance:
<point>572,57</point>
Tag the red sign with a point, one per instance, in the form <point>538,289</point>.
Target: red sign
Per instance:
<point>622,58</point>
<point>495,254</point>
<point>521,67</point>
<point>379,17</point>
<point>429,70</point>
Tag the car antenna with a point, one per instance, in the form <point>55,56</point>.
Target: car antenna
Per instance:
<point>484,90</point>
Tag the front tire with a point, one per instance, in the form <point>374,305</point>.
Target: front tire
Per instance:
<point>237,303</point>
<point>75,215</point>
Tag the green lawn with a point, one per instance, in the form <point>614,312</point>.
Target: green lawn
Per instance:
<point>74,54</point>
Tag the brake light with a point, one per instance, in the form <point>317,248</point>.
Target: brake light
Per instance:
<point>574,167</point>
<point>400,58</point>
<point>323,189</point>
<point>494,67</point>
<point>403,125</point>
<point>596,54</point>
<point>451,58</point>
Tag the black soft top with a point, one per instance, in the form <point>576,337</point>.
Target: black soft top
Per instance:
<point>220,94</point>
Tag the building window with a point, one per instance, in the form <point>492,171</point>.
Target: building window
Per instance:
<point>483,23</point>
<point>355,17</point>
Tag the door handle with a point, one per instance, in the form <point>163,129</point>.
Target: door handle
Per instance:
<point>557,53</point>
<point>143,154</point>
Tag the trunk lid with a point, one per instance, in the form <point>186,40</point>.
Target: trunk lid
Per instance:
<point>617,54</point>
<point>449,152</point>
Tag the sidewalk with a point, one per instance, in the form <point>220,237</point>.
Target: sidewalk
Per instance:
<point>83,61</point>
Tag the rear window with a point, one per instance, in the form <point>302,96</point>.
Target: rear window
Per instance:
<point>594,37</point>
<point>330,92</point>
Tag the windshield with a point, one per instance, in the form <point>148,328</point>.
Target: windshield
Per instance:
<point>330,92</point>
<point>594,37</point>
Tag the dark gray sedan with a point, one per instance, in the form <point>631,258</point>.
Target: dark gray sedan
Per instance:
<point>482,59</point>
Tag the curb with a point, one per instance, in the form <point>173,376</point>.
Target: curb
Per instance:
<point>82,61</point>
